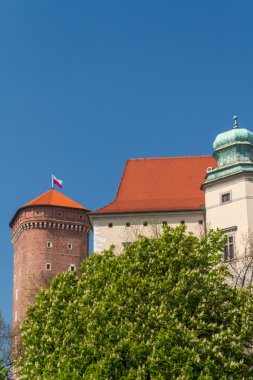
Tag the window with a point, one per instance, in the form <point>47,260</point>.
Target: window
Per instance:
<point>126,243</point>
<point>226,197</point>
<point>127,224</point>
<point>145,224</point>
<point>72,268</point>
<point>229,248</point>
<point>48,266</point>
<point>200,221</point>
<point>165,223</point>
<point>110,225</point>
<point>16,316</point>
<point>70,246</point>
<point>16,294</point>
<point>182,222</point>
<point>49,244</point>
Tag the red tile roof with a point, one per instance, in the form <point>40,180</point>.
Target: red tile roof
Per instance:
<point>161,184</point>
<point>51,198</point>
<point>54,198</point>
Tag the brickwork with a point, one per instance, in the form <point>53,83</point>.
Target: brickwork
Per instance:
<point>47,240</point>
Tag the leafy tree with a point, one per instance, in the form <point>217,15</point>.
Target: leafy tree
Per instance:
<point>5,348</point>
<point>161,310</point>
<point>4,371</point>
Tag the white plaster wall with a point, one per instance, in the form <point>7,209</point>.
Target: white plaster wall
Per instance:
<point>233,213</point>
<point>104,236</point>
<point>249,193</point>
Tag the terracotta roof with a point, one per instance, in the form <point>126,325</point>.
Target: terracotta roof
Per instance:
<point>161,184</point>
<point>54,198</point>
<point>51,198</point>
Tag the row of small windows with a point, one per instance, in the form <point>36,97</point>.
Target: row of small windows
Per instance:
<point>72,267</point>
<point>50,245</point>
<point>59,213</point>
<point>145,224</point>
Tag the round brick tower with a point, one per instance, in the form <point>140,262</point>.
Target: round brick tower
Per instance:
<point>50,235</point>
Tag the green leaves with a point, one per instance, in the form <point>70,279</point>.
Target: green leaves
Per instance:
<point>161,310</point>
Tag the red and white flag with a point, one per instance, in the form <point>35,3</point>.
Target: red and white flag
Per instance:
<point>56,181</point>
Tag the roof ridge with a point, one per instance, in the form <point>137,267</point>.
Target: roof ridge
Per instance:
<point>167,157</point>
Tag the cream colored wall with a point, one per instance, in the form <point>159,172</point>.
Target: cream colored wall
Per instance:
<point>104,236</point>
<point>249,192</point>
<point>233,213</point>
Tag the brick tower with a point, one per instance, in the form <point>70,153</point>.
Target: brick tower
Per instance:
<point>50,235</point>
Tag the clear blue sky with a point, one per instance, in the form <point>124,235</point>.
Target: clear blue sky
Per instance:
<point>84,85</point>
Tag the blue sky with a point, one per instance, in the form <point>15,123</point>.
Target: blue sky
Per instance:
<point>84,85</point>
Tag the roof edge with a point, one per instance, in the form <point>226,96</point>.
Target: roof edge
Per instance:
<point>94,213</point>
<point>87,211</point>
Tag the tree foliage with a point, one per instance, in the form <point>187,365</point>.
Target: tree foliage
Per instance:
<point>5,348</point>
<point>161,310</point>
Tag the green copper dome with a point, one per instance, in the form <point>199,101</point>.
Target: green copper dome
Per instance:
<point>233,152</point>
<point>236,135</point>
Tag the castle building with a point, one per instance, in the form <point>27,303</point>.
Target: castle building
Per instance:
<point>153,192</point>
<point>201,192</point>
<point>50,235</point>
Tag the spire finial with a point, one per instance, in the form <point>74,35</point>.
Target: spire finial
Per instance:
<point>235,121</point>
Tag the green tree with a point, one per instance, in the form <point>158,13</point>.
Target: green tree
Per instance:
<point>161,310</point>
<point>5,348</point>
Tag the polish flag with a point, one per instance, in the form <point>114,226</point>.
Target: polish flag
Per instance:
<point>57,182</point>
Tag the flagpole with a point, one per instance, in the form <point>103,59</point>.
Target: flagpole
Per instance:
<point>52,181</point>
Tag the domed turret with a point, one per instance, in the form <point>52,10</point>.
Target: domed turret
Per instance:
<point>235,135</point>
<point>233,151</point>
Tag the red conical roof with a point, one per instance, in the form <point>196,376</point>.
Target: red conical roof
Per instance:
<point>54,198</point>
<point>51,198</point>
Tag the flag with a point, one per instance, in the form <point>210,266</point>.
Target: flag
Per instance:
<point>56,181</point>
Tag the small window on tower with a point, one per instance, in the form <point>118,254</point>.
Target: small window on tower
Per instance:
<point>182,222</point>
<point>110,225</point>
<point>128,224</point>
<point>48,266</point>
<point>81,216</point>
<point>49,244</point>
<point>165,223</point>
<point>226,197</point>
<point>72,268</point>
<point>70,246</point>
<point>200,221</point>
<point>145,224</point>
